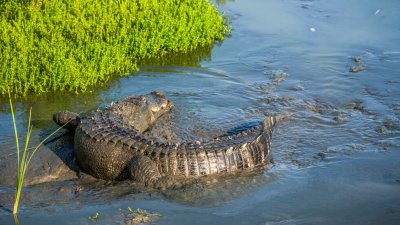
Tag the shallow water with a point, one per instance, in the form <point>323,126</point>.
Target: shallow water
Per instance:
<point>335,159</point>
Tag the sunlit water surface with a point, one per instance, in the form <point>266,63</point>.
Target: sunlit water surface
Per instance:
<point>336,159</point>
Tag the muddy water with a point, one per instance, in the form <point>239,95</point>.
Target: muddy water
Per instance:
<point>336,160</point>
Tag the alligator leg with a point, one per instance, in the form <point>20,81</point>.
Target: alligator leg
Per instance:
<point>144,170</point>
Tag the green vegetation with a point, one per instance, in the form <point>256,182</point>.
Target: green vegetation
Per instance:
<point>24,157</point>
<point>139,216</point>
<point>95,217</point>
<point>71,45</point>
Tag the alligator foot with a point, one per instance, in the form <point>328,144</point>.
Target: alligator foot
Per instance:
<point>144,170</point>
<point>169,182</point>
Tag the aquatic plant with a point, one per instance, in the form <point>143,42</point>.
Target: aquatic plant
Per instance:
<point>71,45</point>
<point>139,216</point>
<point>24,157</point>
<point>95,217</point>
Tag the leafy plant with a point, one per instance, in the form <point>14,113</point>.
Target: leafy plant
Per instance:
<point>96,217</point>
<point>142,212</point>
<point>139,216</point>
<point>130,209</point>
<point>24,157</point>
<point>71,45</point>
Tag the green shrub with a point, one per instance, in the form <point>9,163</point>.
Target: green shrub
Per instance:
<point>71,45</point>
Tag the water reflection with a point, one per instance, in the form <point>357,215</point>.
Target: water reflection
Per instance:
<point>223,2</point>
<point>191,59</point>
<point>16,219</point>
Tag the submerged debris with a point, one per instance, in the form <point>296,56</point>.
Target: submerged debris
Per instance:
<point>95,217</point>
<point>356,69</point>
<point>360,65</point>
<point>341,119</point>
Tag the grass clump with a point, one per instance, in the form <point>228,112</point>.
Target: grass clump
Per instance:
<point>24,157</point>
<point>95,217</point>
<point>70,45</point>
<point>139,216</point>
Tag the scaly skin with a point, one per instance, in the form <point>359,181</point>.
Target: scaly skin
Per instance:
<point>109,144</point>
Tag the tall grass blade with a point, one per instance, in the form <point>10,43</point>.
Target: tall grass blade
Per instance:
<point>24,160</point>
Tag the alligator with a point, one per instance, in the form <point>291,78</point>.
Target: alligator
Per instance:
<point>111,144</point>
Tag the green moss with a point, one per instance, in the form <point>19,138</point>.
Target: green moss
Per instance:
<point>71,45</point>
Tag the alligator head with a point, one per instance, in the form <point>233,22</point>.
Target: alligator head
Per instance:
<point>138,111</point>
<point>142,111</point>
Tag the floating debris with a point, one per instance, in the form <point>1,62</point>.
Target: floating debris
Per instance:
<point>341,119</point>
<point>360,65</point>
<point>356,69</point>
<point>95,217</point>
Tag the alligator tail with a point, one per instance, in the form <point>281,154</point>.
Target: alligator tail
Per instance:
<point>270,121</point>
<point>69,120</point>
